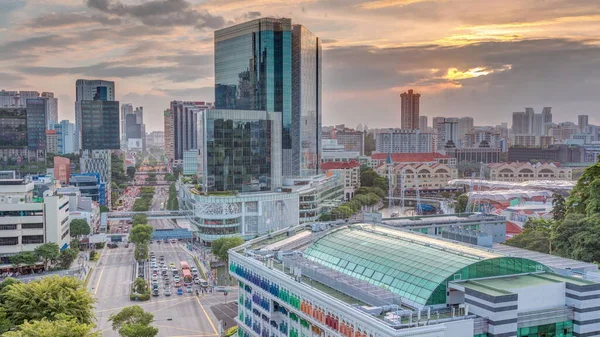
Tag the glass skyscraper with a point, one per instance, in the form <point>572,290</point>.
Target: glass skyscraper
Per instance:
<point>306,102</point>
<point>90,90</point>
<point>253,71</point>
<point>100,125</point>
<point>36,123</point>
<point>242,150</point>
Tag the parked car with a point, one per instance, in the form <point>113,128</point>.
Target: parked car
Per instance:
<point>188,289</point>
<point>155,292</point>
<point>168,292</point>
<point>179,291</point>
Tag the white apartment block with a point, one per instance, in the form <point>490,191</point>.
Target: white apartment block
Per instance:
<point>403,141</point>
<point>26,223</point>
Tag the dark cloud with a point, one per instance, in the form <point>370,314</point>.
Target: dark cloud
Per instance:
<point>161,13</point>
<point>561,73</point>
<point>67,19</point>
<point>176,72</point>
<point>28,48</point>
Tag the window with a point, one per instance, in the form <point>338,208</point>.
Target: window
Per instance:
<point>32,226</point>
<point>29,239</point>
<point>7,227</point>
<point>11,241</point>
<point>65,234</point>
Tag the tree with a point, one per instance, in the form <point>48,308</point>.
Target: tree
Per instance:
<point>48,252</point>
<point>5,323</point>
<point>104,209</point>
<point>24,259</point>
<point>131,172</point>
<point>223,245</point>
<point>140,219</point>
<point>63,326</point>
<point>141,234</point>
<point>461,203</point>
<point>578,199</point>
<point>536,236</point>
<point>48,298</point>
<point>141,252</point>
<point>133,321</point>
<point>66,257</point>
<point>139,285</point>
<point>79,227</point>
<point>325,217</point>
<point>559,209</point>
<point>367,177</point>
<point>381,183</point>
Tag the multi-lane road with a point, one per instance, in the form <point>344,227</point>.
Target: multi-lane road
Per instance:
<point>186,315</point>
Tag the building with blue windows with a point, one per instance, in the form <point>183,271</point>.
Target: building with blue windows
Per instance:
<point>91,186</point>
<point>253,71</point>
<point>65,136</point>
<point>90,90</point>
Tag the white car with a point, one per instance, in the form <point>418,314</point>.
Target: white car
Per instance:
<point>176,279</point>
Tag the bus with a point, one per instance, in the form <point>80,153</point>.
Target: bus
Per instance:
<point>187,276</point>
<point>184,265</point>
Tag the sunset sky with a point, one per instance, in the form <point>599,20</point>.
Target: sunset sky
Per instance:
<point>478,58</point>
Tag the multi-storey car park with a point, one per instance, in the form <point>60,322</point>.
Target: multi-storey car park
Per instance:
<point>374,281</point>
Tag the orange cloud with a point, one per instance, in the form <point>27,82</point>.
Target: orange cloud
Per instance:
<point>377,4</point>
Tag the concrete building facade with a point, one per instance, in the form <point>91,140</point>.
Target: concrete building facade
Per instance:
<point>409,114</point>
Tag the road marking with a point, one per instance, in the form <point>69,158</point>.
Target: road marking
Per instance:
<point>170,306</point>
<point>184,329</point>
<point>208,317</point>
<point>101,272</point>
<point>141,304</point>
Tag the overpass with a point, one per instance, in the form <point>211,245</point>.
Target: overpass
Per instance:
<point>152,215</point>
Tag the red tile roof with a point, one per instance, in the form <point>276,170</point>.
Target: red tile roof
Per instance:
<point>333,165</point>
<point>410,157</point>
<point>513,228</point>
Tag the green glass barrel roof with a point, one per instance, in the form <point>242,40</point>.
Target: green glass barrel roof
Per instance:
<point>414,266</point>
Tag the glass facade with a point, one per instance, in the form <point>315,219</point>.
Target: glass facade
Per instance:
<point>417,271</point>
<point>242,150</point>
<point>246,215</point>
<point>100,125</point>
<point>36,123</point>
<point>306,102</point>
<point>13,128</point>
<point>253,71</point>
<point>190,162</point>
<point>560,329</point>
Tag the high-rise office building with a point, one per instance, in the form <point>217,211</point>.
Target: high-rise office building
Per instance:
<point>169,137</point>
<point>36,123</point>
<point>465,125</point>
<point>447,131</point>
<point>126,109</point>
<point>242,150</point>
<point>135,130</point>
<point>99,122</point>
<point>253,71</point>
<point>582,123</point>
<point>423,123</point>
<point>184,118</point>
<point>410,110</point>
<point>91,90</point>
<point>65,134</point>
<point>306,103</point>
<point>529,122</point>
<point>51,142</point>
<point>51,108</point>
<point>13,134</point>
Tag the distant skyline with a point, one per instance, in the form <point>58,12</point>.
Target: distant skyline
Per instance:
<point>465,57</point>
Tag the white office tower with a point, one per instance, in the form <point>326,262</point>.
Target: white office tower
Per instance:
<point>27,222</point>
